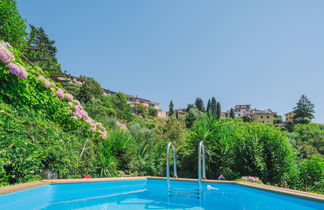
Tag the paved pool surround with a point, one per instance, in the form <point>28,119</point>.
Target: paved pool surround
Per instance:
<point>285,191</point>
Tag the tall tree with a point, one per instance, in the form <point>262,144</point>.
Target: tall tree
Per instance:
<point>218,110</point>
<point>190,106</point>
<point>199,103</point>
<point>208,106</point>
<point>213,106</point>
<point>90,89</point>
<point>232,114</point>
<point>12,26</point>
<point>304,111</point>
<point>41,50</point>
<point>171,110</point>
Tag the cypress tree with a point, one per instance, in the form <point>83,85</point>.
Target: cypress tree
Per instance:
<point>232,114</point>
<point>213,106</point>
<point>208,106</point>
<point>171,111</point>
<point>218,110</point>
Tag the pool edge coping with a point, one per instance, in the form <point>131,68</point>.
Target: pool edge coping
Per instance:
<point>269,188</point>
<point>290,192</point>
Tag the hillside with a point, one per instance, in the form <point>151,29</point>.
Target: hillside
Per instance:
<point>71,131</point>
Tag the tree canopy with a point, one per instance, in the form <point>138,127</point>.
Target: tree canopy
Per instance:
<point>199,103</point>
<point>12,26</point>
<point>304,111</point>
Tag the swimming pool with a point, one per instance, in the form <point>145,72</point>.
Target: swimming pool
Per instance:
<point>150,194</point>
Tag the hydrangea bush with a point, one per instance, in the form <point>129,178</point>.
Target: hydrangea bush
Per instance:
<point>34,92</point>
<point>8,58</point>
<point>250,179</point>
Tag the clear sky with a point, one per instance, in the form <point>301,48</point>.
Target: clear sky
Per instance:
<point>264,53</point>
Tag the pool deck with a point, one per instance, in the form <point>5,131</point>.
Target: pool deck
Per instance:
<point>286,191</point>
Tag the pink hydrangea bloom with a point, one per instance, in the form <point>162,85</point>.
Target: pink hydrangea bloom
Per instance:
<point>84,114</point>
<point>250,178</point>
<point>221,177</point>
<point>77,102</point>
<point>77,108</point>
<point>89,120</point>
<point>40,77</point>
<point>23,73</point>
<point>69,97</point>
<point>93,130</point>
<point>5,55</point>
<point>60,93</point>
<point>13,68</point>
<point>46,83</point>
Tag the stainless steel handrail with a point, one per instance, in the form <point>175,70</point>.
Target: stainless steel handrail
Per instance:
<point>201,161</point>
<point>174,160</point>
<point>170,144</point>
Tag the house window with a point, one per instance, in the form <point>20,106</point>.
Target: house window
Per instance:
<point>268,117</point>
<point>261,117</point>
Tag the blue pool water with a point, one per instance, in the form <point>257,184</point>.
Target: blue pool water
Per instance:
<point>150,194</point>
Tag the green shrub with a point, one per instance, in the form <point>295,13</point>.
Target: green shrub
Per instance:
<point>12,26</point>
<point>312,172</point>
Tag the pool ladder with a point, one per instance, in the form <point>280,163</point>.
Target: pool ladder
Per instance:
<point>192,193</point>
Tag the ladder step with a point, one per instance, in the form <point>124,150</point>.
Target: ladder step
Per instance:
<point>186,196</point>
<point>188,192</point>
<point>184,189</point>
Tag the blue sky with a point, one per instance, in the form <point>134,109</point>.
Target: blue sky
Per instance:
<point>264,53</point>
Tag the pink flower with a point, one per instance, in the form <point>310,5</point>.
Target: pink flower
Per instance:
<point>84,114</point>
<point>87,177</point>
<point>250,178</point>
<point>23,73</point>
<point>5,55</point>
<point>60,93</point>
<point>77,102</point>
<point>92,130</point>
<point>77,108</point>
<point>40,78</point>
<point>75,117</point>
<point>69,97</point>
<point>89,120</point>
<point>221,177</point>
<point>13,68</point>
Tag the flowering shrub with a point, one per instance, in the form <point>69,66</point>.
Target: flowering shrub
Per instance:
<point>60,93</point>
<point>5,54</point>
<point>250,179</point>
<point>32,88</point>
<point>7,57</point>
<point>221,177</point>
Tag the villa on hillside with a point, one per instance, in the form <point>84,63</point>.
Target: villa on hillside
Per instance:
<point>242,110</point>
<point>289,117</point>
<point>147,103</point>
<point>69,78</point>
<point>262,116</point>
<point>131,99</point>
<point>181,112</point>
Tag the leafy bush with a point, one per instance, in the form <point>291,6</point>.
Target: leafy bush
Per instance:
<point>246,148</point>
<point>312,173</point>
<point>12,26</point>
<point>309,139</point>
<point>34,144</point>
